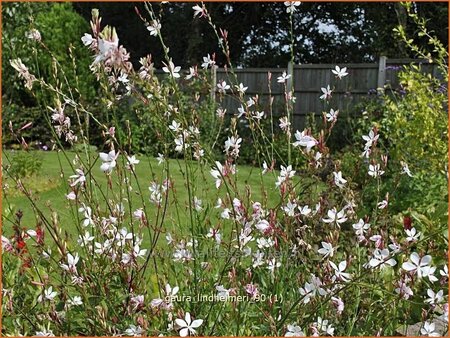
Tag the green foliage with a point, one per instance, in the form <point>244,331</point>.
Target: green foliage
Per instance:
<point>17,117</point>
<point>61,30</point>
<point>416,121</point>
<point>25,164</point>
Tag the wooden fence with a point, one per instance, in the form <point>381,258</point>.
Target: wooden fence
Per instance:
<point>363,79</point>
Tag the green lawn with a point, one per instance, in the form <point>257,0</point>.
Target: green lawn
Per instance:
<point>49,189</point>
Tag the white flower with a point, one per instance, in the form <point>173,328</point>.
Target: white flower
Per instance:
<point>134,331</point>
<point>87,39</point>
<point>34,34</point>
<point>197,204</point>
<point>326,250</point>
<point>215,234</point>
<point>339,180</point>
<point>207,62</point>
<point>334,216</point>
<point>308,292</point>
<point>405,169</point>
<point>6,244</point>
<point>444,271</point>
<point>289,209</point>
<point>192,73</point>
<point>241,111</point>
<point>71,263</point>
<point>284,124</point>
<point>429,271</point>
<point>379,259</point>
<point>241,88</point>
<point>262,225</point>
<point>109,161</point>
<point>135,253</point>
<point>304,140</point>
<point>79,178</point>
<point>75,301</point>
<point>323,326</point>
<point>285,174</point>
<point>428,330</point>
<point>265,168</point>
<point>221,112</point>
<point>154,28</point>
<point>395,248</point>
<point>84,239</point>
<point>291,6</point>
<point>172,69</point>
<point>339,271</point>
<point>404,290</point>
<point>222,292</point>
<point>223,87</point>
<point>24,73</point>
<point>169,238</point>
<point>258,115</point>
<point>375,171</point>
<point>138,213</point>
<point>283,78</point>
<point>187,326</point>
<point>217,174</point>
<point>361,227</point>
<point>198,11</point>
<point>160,158</point>
<point>272,264</point>
<point>106,47</point>
<point>49,294</point>
<point>371,138</point>
<point>383,204</point>
<point>332,115</point>
<point>263,242</point>
<point>294,331</point>
<point>305,210</point>
<point>71,196</point>
<point>417,264</point>
<point>338,303</point>
<point>340,72</point>
<point>132,160</point>
<point>232,144</point>
<point>413,235</point>
<point>175,126</point>
<point>225,213</point>
<point>435,298</point>
<point>326,93</point>
<point>45,333</point>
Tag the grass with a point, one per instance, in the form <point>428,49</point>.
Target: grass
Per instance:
<point>50,185</point>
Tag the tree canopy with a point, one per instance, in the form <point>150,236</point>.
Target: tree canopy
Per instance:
<point>323,32</point>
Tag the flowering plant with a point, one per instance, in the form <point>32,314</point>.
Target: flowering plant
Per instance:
<point>284,248</point>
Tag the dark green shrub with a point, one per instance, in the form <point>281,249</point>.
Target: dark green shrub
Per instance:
<point>25,164</point>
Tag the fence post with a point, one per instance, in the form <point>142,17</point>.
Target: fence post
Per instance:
<point>213,82</point>
<point>381,80</point>
<point>290,81</point>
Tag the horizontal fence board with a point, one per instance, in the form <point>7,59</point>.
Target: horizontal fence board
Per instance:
<point>308,79</point>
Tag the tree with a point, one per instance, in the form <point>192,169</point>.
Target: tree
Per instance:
<point>323,32</point>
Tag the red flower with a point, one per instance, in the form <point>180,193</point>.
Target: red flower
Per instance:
<point>407,223</point>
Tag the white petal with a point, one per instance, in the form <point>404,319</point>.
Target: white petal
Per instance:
<point>425,260</point>
<point>187,318</point>
<point>180,322</point>
<point>415,258</point>
<point>104,157</point>
<point>374,262</point>
<point>342,265</point>
<point>197,323</point>
<point>408,266</point>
